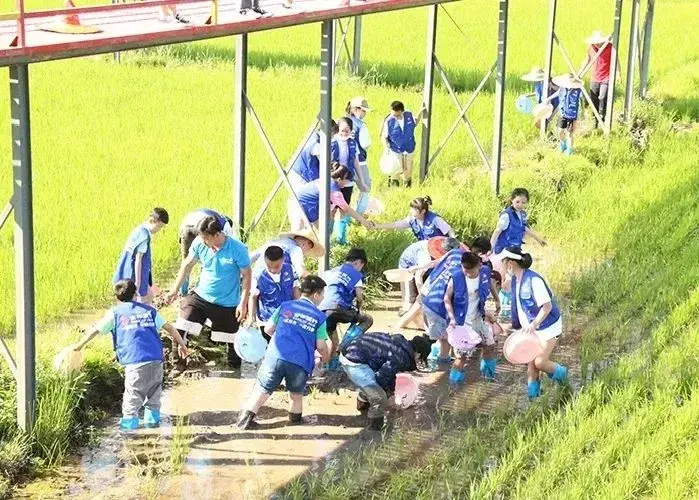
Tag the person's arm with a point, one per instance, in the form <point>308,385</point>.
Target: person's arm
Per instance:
<point>177,338</point>
<point>445,228</point>
<point>530,232</point>
<point>242,310</point>
<point>496,296</point>
<point>420,116</point>
<point>138,271</point>
<point>399,224</point>
<point>184,272</point>
<point>419,271</point>
<point>448,302</point>
<point>323,344</point>
<point>386,375</point>
<point>104,325</point>
<point>358,217</point>
<point>252,307</point>
<point>359,291</point>
<point>360,175</point>
<point>536,323</point>
<point>271,325</point>
<point>364,138</point>
<point>503,223</point>
<point>85,339</point>
<point>543,299</point>
<point>586,61</point>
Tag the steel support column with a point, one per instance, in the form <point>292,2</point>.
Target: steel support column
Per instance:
<point>427,90</point>
<point>613,66</point>
<point>357,45</point>
<point>24,245</point>
<point>645,58</point>
<point>326,99</point>
<point>240,85</point>
<point>500,76</point>
<point>548,57</point>
<point>631,60</point>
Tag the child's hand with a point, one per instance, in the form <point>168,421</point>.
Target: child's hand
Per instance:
<point>490,317</point>
<point>182,351</point>
<point>171,296</point>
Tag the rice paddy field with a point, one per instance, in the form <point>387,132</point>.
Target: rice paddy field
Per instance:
<point>112,140</point>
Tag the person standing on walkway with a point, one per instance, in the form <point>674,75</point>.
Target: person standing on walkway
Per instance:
<point>398,136</point>
<point>222,293</point>
<point>356,110</point>
<point>136,260</point>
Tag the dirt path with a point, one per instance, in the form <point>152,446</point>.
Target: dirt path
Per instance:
<point>224,463</point>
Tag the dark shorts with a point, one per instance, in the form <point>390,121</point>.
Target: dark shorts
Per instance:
<point>347,193</point>
<point>264,334</point>
<point>273,371</point>
<point>566,123</point>
<point>336,316</point>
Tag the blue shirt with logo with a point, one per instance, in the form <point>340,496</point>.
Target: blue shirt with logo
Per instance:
<point>219,282</point>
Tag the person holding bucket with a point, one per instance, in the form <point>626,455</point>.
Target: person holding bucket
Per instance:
<point>398,135</point>
<point>297,329</point>
<point>569,92</point>
<point>222,293</point>
<point>467,290</point>
<point>276,283</point>
<point>344,298</point>
<point>356,110</point>
<point>536,77</point>
<point>423,222</point>
<point>309,201</point>
<point>135,327</point>
<point>372,362</point>
<point>136,261</point>
<point>536,312</point>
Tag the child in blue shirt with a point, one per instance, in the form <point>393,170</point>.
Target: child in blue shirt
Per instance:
<point>343,299</point>
<point>134,328</point>
<point>297,329</point>
<point>272,285</point>
<point>570,89</point>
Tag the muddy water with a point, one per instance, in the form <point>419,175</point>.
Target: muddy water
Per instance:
<point>224,463</point>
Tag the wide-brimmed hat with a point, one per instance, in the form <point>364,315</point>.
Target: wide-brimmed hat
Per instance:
<point>318,250</point>
<point>542,111</point>
<point>596,37</point>
<point>536,74</point>
<point>568,81</point>
<point>360,102</point>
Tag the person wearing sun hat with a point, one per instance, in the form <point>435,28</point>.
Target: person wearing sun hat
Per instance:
<point>569,91</point>
<point>536,77</point>
<point>535,311</point>
<point>599,73</point>
<point>356,110</point>
<point>296,245</point>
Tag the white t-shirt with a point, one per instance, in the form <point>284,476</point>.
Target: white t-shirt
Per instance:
<point>541,297</point>
<point>277,278</point>
<point>473,299</point>
<point>295,254</point>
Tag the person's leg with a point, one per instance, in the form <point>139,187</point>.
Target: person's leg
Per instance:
<point>295,377</point>
<point>371,397</point>
<point>189,322</point>
<point>544,364</point>
<point>412,314</point>
<point>488,354</point>
<point>264,334</point>
<point>571,132</point>
<point>437,330</point>
<point>456,374</point>
<point>343,223</point>
<point>186,237</point>
<point>153,378</point>
<point>533,384</point>
<point>134,397</point>
<point>269,376</point>
<point>378,401</point>
<point>408,169</point>
<point>562,133</point>
<point>363,199</point>
<point>223,321</point>
<point>334,317</point>
<point>595,98</point>
<point>603,91</point>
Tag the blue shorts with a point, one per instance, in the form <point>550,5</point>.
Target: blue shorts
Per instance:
<point>273,371</point>
<point>435,325</point>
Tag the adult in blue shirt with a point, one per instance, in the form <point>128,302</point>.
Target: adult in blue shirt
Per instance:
<point>297,329</point>
<point>222,293</point>
<point>136,260</point>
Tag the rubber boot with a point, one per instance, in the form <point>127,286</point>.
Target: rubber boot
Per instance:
<point>488,367</point>
<point>375,424</point>
<point>362,203</point>
<point>362,406</point>
<point>533,389</point>
<point>352,333</point>
<point>395,182</point>
<point>569,151</point>
<point>563,145</point>
<point>151,417</point>
<point>334,364</point>
<point>246,420</point>
<point>342,226</point>
<point>408,184</point>
<point>456,377</point>
<point>560,373</point>
<point>128,424</point>
<point>295,418</point>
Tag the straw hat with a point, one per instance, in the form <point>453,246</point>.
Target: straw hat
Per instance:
<point>568,81</point>
<point>318,250</point>
<point>360,102</point>
<point>596,37</point>
<point>536,74</point>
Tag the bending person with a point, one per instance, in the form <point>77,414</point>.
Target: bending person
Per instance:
<point>296,245</point>
<point>536,312</point>
<point>424,223</point>
<point>309,201</point>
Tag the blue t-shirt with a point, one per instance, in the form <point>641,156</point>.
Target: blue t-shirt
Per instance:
<point>219,282</point>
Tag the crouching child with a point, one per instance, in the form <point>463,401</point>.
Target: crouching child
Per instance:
<point>135,333</point>
<point>372,361</point>
<point>297,330</point>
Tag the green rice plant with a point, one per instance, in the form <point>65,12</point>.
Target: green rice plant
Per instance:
<point>179,445</point>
